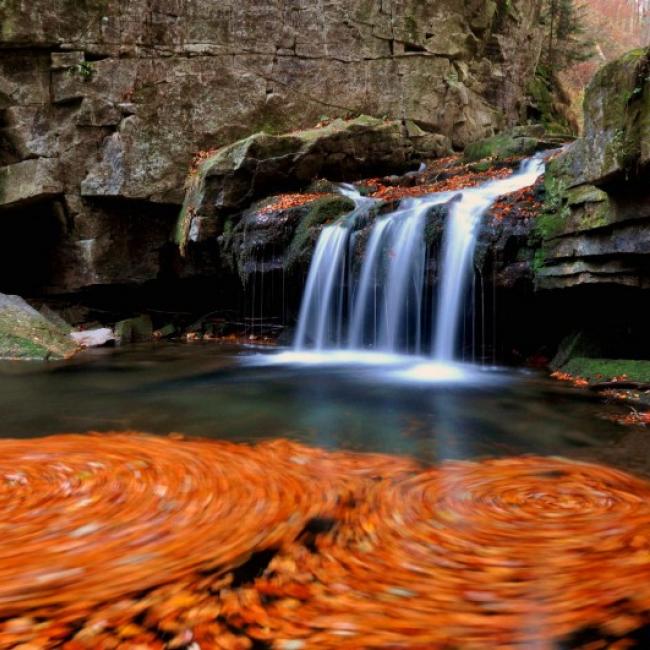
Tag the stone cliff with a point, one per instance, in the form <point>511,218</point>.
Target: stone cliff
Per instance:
<point>596,225</point>
<point>103,104</point>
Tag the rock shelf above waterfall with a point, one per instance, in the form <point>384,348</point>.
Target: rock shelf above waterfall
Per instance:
<point>231,178</point>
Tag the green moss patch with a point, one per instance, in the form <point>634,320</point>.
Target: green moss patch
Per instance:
<point>500,147</point>
<point>27,335</point>
<point>596,370</point>
<point>18,348</point>
<point>322,211</point>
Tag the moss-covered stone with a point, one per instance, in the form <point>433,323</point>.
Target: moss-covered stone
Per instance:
<point>617,110</point>
<point>585,194</point>
<point>501,146</point>
<point>578,344</point>
<point>134,330</point>
<point>544,102</point>
<point>596,370</point>
<point>25,334</point>
<point>232,178</point>
<point>321,212</point>
<point>555,213</point>
<point>595,188</point>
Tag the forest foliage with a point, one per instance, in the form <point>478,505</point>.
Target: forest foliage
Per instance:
<point>579,37</point>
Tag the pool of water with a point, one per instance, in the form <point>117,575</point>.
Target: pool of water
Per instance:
<point>364,402</point>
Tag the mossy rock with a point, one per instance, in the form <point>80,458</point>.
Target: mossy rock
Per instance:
<point>25,334</point>
<point>596,370</point>
<point>321,212</point>
<point>617,121</point>
<point>500,147</point>
<point>555,213</point>
<point>231,179</point>
<point>577,344</point>
<point>134,330</point>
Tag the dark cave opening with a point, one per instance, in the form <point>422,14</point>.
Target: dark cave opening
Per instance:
<point>30,246</point>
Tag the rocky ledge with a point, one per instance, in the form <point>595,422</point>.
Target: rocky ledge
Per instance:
<point>278,233</point>
<point>104,103</point>
<point>596,223</point>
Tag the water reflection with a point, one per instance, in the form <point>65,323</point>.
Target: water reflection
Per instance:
<point>377,403</point>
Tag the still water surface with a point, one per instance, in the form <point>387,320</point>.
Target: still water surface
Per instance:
<point>378,403</point>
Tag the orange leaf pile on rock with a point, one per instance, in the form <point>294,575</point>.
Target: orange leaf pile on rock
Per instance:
<point>523,202</point>
<point>200,157</point>
<point>452,183</point>
<point>286,201</point>
<point>141,542</point>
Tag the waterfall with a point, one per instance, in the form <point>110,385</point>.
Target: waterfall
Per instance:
<point>459,243</point>
<point>320,323</point>
<point>383,303</point>
<point>387,312</point>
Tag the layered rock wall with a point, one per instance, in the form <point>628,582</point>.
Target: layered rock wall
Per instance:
<point>596,229</point>
<point>104,102</point>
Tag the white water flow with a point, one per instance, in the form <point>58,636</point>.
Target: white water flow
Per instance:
<point>459,244</point>
<point>387,312</point>
<point>383,302</point>
<point>320,323</point>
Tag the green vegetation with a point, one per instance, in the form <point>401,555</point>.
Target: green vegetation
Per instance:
<point>605,369</point>
<point>27,334</point>
<point>322,211</point>
<point>539,259</point>
<point>500,146</point>
<point>16,347</point>
<point>85,70</point>
<point>503,10</point>
<point>540,91</point>
<point>556,210</point>
<point>566,40</point>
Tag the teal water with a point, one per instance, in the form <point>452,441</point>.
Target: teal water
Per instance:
<point>389,405</point>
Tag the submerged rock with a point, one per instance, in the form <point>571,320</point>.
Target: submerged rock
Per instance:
<point>26,334</point>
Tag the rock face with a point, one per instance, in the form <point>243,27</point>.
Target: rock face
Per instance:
<point>26,334</point>
<point>596,226</point>
<point>263,164</point>
<point>104,102</point>
<point>279,234</point>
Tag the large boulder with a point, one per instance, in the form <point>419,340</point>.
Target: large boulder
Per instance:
<point>595,228</point>
<point>262,164</point>
<point>517,142</point>
<point>26,334</point>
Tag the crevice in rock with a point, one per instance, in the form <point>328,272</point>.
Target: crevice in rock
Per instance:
<point>413,47</point>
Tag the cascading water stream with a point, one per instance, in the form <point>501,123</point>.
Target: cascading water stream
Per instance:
<point>459,244</point>
<point>323,302</point>
<point>384,304</point>
<point>387,314</point>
